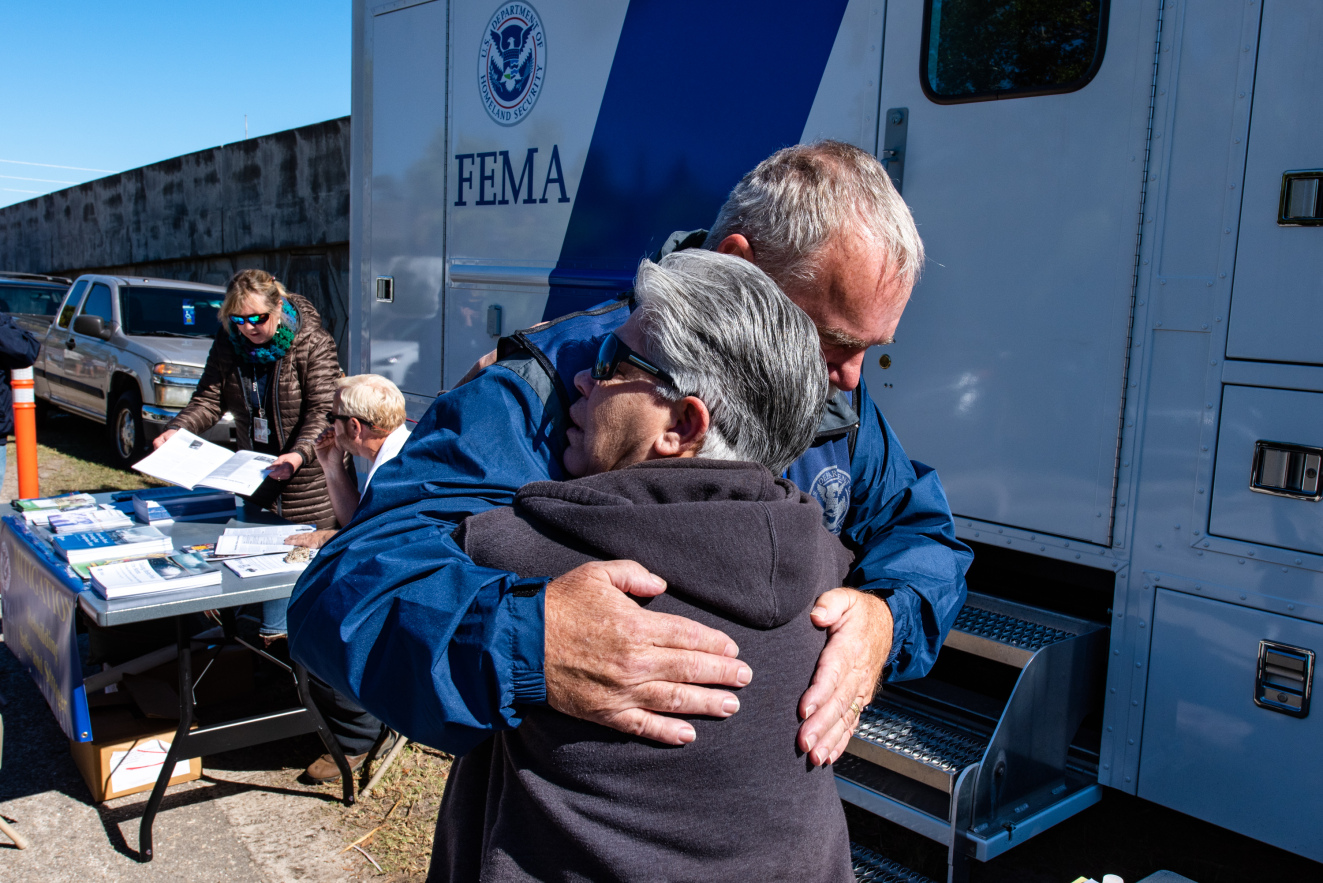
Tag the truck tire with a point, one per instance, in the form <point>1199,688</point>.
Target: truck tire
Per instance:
<point>128,445</point>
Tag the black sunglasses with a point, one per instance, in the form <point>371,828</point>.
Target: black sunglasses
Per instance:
<point>331,417</point>
<point>613,351</point>
<point>254,319</point>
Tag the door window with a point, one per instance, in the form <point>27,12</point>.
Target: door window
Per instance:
<point>976,50</point>
<point>98,303</point>
<point>71,305</point>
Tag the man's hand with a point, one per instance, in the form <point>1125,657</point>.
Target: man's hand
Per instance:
<point>610,661</point>
<point>328,453</point>
<point>859,629</point>
<point>284,466</point>
<point>313,539</point>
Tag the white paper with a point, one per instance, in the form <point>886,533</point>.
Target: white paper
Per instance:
<point>240,474</point>
<point>265,565</point>
<point>190,462</point>
<point>183,460</point>
<point>265,540</point>
<point>141,765</point>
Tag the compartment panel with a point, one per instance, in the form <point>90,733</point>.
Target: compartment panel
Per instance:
<point>1208,750</point>
<point>1250,414</point>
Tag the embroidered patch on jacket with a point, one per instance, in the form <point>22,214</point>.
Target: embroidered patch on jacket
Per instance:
<point>831,488</point>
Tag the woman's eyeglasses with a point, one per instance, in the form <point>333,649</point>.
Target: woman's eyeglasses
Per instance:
<point>254,319</point>
<point>614,351</point>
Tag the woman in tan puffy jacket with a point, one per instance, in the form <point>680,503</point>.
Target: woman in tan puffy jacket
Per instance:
<point>274,368</point>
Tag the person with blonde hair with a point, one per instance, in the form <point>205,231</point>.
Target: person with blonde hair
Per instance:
<point>367,420</point>
<point>273,366</point>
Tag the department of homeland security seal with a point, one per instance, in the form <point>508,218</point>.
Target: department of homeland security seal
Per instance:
<point>831,488</point>
<point>511,63</point>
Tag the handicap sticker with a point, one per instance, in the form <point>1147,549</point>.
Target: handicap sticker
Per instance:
<point>190,316</point>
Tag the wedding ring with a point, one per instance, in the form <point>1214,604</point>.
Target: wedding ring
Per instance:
<point>854,707</point>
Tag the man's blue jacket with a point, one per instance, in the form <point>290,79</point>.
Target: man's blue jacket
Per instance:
<point>445,651</point>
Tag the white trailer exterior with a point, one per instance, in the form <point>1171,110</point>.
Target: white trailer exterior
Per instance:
<point>1113,358</point>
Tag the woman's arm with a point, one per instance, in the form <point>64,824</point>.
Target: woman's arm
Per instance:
<point>320,372</point>
<point>205,408</point>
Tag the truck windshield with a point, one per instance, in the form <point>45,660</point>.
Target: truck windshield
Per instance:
<point>33,300</point>
<point>169,311</point>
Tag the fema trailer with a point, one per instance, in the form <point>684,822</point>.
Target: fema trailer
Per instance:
<point>1113,358</point>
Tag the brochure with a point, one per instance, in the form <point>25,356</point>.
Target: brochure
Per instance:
<point>185,457</point>
<point>258,540</point>
<point>77,520</point>
<point>166,573</point>
<point>266,565</point>
<point>38,511</point>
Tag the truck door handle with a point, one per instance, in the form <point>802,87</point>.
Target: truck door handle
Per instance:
<point>70,343</point>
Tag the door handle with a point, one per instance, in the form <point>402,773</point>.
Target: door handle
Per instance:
<point>70,343</point>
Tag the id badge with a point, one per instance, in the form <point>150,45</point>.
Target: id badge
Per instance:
<point>261,432</point>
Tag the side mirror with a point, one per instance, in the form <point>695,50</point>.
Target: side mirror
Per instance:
<point>93,326</point>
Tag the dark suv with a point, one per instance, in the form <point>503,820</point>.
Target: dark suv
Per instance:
<point>32,299</point>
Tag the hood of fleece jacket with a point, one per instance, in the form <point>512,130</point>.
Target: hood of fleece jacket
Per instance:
<point>726,535</point>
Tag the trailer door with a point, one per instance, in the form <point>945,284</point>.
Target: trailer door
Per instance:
<point>1024,129</point>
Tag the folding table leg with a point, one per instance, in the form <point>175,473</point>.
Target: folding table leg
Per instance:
<point>328,739</point>
<point>176,747</point>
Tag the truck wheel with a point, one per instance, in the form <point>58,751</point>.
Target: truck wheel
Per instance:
<point>127,442</point>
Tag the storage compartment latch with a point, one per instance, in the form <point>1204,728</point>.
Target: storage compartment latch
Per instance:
<point>1287,470</point>
<point>1301,202</point>
<point>1286,677</point>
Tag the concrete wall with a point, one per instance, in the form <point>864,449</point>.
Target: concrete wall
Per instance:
<point>279,202</point>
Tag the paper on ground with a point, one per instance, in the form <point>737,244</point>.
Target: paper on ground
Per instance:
<point>265,565</point>
<point>141,764</point>
<point>190,462</point>
<point>266,540</point>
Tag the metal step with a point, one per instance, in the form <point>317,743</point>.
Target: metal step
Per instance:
<point>1008,632</point>
<point>872,867</point>
<point>907,742</point>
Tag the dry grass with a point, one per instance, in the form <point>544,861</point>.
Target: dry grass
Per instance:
<point>398,819</point>
<point>73,454</point>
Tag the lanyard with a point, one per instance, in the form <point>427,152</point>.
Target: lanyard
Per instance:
<point>256,401</point>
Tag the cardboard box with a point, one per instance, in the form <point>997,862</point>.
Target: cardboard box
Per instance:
<point>126,754</point>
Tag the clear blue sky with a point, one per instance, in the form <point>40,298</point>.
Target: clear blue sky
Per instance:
<point>117,84</point>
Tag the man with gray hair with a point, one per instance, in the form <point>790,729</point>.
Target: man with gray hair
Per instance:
<point>393,593</point>
<point>692,407</point>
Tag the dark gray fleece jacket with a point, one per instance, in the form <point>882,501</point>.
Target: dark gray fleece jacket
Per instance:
<point>563,799</point>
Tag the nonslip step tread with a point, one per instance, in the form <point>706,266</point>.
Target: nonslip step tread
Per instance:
<point>909,743</point>
<point>871,866</point>
<point>1006,629</point>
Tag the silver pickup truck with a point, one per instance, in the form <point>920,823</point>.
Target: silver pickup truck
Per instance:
<point>128,352</point>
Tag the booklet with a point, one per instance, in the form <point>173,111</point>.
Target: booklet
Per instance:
<point>190,462</point>
<point>164,504</point>
<point>39,510</point>
<point>166,573</point>
<point>130,542</point>
<point>77,520</point>
<point>258,540</point>
<point>266,565</point>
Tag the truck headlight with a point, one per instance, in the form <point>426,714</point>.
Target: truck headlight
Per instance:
<point>174,384</point>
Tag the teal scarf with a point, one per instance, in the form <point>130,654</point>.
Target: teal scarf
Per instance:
<point>274,349</point>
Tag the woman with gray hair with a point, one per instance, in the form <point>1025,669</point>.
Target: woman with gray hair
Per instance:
<point>691,410</point>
